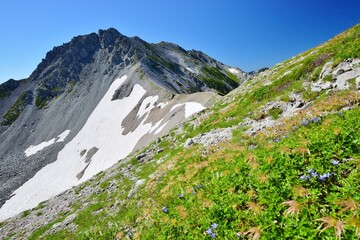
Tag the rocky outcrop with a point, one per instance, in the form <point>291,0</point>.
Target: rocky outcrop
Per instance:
<point>344,76</point>
<point>213,137</point>
<point>67,86</point>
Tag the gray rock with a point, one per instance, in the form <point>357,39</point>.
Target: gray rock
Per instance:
<point>189,142</point>
<point>133,191</point>
<point>342,80</point>
<point>357,83</point>
<point>320,86</point>
<point>342,68</point>
<point>141,156</point>
<point>326,70</point>
<point>215,136</point>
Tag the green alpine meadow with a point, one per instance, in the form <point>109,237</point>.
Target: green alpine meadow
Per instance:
<point>278,157</point>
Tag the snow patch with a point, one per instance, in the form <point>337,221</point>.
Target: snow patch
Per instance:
<point>160,128</point>
<point>62,136</point>
<point>190,70</point>
<point>234,70</point>
<point>190,108</point>
<point>103,130</point>
<point>33,149</point>
<point>147,105</point>
<point>162,105</point>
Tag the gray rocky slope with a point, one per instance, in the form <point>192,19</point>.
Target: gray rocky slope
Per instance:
<point>67,86</point>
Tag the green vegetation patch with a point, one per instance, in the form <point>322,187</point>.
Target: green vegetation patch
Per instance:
<point>13,113</point>
<point>218,80</point>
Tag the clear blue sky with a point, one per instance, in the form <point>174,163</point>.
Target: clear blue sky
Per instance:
<point>245,33</point>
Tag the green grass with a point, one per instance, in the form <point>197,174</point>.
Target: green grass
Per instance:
<point>14,112</point>
<point>40,102</point>
<point>251,185</point>
<point>40,231</point>
<point>275,113</point>
<point>221,82</point>
<point>248,188</point>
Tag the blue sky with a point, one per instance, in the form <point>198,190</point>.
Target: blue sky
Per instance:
<point>248,34</point>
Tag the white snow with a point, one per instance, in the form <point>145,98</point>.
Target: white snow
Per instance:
<point>34,149</point>
<point>147,105</point>
<point>62,136</point>
<point>190,108</point>
<point>190,70</point>
<point>155,126</point>
<point>162,105</point>
<point>233,70</point>
<point>160,128</point>
<point>102,130</point>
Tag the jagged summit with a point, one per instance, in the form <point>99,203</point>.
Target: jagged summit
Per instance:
<point>91,102</point>
<point>276,158</point>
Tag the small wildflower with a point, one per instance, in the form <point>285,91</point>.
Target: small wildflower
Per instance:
<point>314,174</point>
<point>164,209</point>
<point>335,162</point>
<point>305,177</point>
<point>322,178</point>
<point>209,231</point>
<point>311,170</point>
<point>214,226</point>
<point>276,140</point>
<point>325,176</point>
<point>180,195</point>
<point>200,185</point>
<point>194,192</point>
<point>305,122</point>
<point>316,119</point>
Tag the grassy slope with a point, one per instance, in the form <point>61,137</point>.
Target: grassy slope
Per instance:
<point>251,186</point>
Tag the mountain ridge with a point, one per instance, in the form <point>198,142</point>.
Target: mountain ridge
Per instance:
<point>277,157</point>
<point>67,86</point>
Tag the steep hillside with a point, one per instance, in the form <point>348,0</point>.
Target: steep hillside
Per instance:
<point>276,158</point>
<point>90,103</point>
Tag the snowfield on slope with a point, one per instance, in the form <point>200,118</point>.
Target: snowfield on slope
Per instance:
<point>190,108</point>
<point>96,147</point>
<point>34,149</point>
<point>233,70</point>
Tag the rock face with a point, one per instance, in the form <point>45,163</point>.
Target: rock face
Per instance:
<point>97,89</point>
<point>343,77</point>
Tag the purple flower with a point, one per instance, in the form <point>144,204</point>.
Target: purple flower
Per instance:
<point>164,209</point>
<point>181,195</point>
<point>311,170</point>
<point>316,119</point>
<point>209,231</point>
<point>335,162</point>
<point>314,174</point>
<point>323,177</point>
<point>305,122</point>
<point>276,140</point>
<point>214,226</point>
<point>305,177</point>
